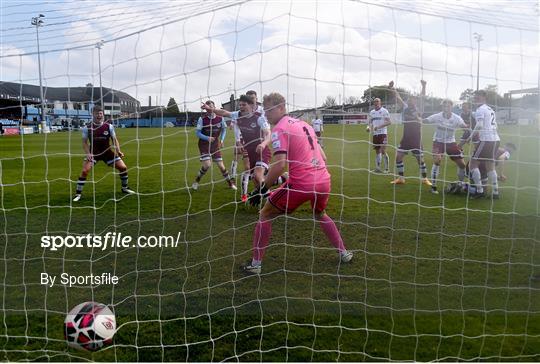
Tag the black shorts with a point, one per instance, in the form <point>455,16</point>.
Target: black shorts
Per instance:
<point>108,156</point>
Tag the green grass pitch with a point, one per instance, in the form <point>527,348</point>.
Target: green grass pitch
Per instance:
<point>433,277</point>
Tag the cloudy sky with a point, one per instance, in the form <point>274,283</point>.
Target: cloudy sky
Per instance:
<point>193,50</point>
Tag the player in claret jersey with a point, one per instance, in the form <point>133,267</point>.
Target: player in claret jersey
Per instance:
<point>211,131</point>
<point>412,134</point>
<point>239,151</point>
<point>255,133</point>
<point>294,143</point>
<point>97,146</point>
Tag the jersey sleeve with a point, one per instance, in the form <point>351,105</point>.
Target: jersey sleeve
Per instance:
<point>403,105</point>
<point>198,130</point>
<point>263,124</point>
<point>199,124</point>
<point>460,122</point>
<point>237,133</point>
<point>432,119</point>
<point>280,141</point>
<point>234,116</point>
<point>223,133</point>
<point>112,131</point>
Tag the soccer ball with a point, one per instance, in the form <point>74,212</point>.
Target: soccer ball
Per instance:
<point>89,326</point>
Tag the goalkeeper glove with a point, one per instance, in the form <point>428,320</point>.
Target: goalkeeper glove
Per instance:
<point>256,196</point>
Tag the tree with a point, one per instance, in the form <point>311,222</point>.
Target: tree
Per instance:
<point>383,93</point>
<point>351,100</point>
<point>467,95</point>
<point>492,96</point>
<point>172,106</point>
<point>329,102</point>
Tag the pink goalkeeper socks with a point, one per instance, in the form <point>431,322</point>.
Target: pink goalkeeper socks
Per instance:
<point>331,232</point>
<point>261,237</point>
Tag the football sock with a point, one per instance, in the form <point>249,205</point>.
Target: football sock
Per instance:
<point>330,230</point>
<point>461,175</point>
<point>378,160</point>
<point>245,182</point>
<point>201,173</point>
<point>423,169</point>
<point>400,168</point>
<point>234,165</point>
<point>475,173</point>
<point>492,176</point>
<point>386,161</point>
<point>434,174</point>
<point>80,184</point>
<point>261,237</point>
<point>124,179</point>
<point>226,174</point>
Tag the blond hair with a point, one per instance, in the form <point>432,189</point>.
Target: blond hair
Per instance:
<point>273,99</point>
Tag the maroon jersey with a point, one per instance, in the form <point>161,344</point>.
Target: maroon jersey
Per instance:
<point>469,119</point>
<point>412,127</point>
<point>251,127</point>
<point>210,128</point>
<point>99,137</point>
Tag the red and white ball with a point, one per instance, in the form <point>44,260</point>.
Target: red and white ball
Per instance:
<point>89,326</point>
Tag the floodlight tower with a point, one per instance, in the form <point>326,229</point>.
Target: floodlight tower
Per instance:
<point>37,21</point>
<point>478,38</point>
<point>98,46</point>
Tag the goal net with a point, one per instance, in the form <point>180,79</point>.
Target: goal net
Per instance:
<point>436,275</point>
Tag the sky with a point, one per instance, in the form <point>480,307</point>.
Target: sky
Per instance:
<point>306,50</point>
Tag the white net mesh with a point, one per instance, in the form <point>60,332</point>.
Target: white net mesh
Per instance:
<point>434,277</point>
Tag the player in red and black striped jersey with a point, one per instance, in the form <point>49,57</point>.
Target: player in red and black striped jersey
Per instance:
<point>96,143</point>
<point>211,131</point>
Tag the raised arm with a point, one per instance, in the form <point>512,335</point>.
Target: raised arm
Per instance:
<point>421,100</point>
<point>396,93</point>
<point>219,112</point>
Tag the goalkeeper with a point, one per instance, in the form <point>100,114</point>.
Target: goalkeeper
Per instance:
<point>294,142</point>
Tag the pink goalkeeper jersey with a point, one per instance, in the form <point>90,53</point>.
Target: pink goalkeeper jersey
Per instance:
<point>297,139</point>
